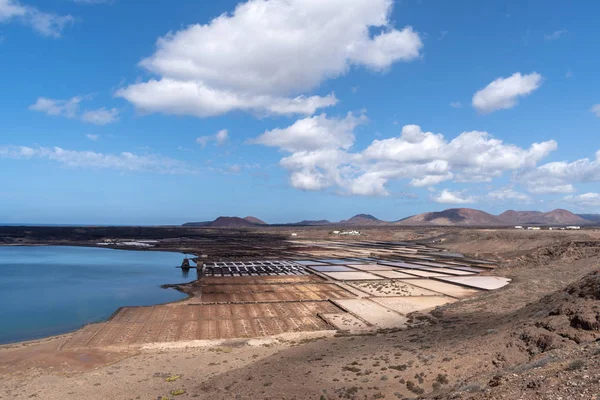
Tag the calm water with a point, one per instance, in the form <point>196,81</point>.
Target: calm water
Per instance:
<point>51,290</point>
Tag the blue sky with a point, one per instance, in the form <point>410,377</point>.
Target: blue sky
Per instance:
<point>163,112</point>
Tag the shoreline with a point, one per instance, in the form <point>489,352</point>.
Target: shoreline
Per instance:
<point>46,339</point>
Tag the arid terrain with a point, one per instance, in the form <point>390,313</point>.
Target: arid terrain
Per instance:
<point>533,339</point>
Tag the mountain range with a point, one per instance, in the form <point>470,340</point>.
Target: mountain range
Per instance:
<point>450,217</point>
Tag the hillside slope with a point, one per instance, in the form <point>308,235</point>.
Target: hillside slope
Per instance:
<point>453,216</point>
<point>363,220</point>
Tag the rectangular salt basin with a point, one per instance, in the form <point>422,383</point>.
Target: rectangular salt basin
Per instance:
<point>373,267</point>
<point>346,322</point>
<point>340,261</point>
<point>332,268</point>
<point>352,276</point>
<point>309,262</point>
<point>373,313</point>
<point>393,274</point>
<point>448,289</point>
<point>422,273</point>
<point>448,271</point>
<point>406,305</point>
<point>401,264</point>
<point>391,288</point>
<point>479,282</point>
<point>433,264</point>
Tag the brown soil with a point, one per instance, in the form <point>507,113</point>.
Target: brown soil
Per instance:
<point>534,339</point>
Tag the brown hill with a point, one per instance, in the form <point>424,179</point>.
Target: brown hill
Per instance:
<point>555,217</point>
<point>453,216</point>
<point>255,220</point>
<point>363,220</point>
<point>228,222</point>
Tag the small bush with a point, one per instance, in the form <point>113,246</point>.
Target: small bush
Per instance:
<point>410,385</point>
<point>576,365</point>
<point>442,379</point>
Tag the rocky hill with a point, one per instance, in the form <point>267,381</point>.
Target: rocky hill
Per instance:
<point>472,217</point>
<point>595,218</point>
<point>228,222</point>
<point>255,220</point>
<point>363,220</point>
<point>556,217</point>
<point>453,216</point>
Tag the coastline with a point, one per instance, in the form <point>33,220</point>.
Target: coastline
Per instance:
<point>66,335</point>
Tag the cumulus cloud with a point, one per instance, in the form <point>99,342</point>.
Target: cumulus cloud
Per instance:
<point>448,197</point>
<point>88,159</point>
<point>321,156</point>
<point>596,109</point>
<point>585,200</point>
<point>71,109</point>
<point>456,104</point>
<point>44,23</point>
<point>313,133</point>
<point>266,55</point>
<point>61,108</point>
<point>101,116</point>
<point>92,137</point>
<point>559,177</point>
<point>509,194</point>
<point>503,93</point>
<point>220,138</point>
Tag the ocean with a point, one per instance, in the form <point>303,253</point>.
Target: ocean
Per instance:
<point>50,290</point>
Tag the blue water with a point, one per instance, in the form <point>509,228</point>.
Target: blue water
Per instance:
<point>52,290</point>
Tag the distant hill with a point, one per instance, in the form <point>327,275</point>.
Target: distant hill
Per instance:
<point>556,217</point>
<point>363,220</point>
<point>453,216</point>
<point>311,223</point>
<point>255,220</point>
<point>228,222</point>
<point>590,217</point>
<point>472,217</point>
<point>450,217</point>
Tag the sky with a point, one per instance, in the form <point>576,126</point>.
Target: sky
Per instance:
<point>167,111</point>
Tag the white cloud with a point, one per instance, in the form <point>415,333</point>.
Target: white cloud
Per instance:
<point>46,24</point>
<point>505,194</point>
<point>456,104</point>
<point>448,197</point>
<point>220,138</point>
<point>596,109</point>
<point>101,116</point>
<point>70,109</point>
<point>93,138</point>
<point>321,158</point>
<point>555,35</point>
<point>504,92</point>
<point>88,159</point>
<point>313,133</point>
<point>585,200</point>
<point>266,55</point>
<point>63,108</point>
<point>559,177</point>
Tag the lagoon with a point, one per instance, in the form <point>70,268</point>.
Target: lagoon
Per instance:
<point>50,290</point>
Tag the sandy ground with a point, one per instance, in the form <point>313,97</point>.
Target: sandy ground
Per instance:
<point>493,346</point>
